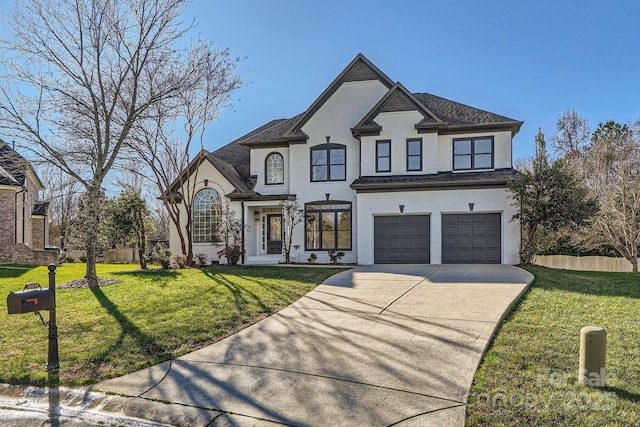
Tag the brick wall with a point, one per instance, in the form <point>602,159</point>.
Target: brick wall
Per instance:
<point>37,233</point>
<point>18,253</point>
<point>7,217</point>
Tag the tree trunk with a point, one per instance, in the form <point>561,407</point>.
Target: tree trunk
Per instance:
<point>92,218</point>
<point>141,233</point>
<point>91,274</point>
<point>634,265</point>
<point>529,248</point>
<point>143,262</point>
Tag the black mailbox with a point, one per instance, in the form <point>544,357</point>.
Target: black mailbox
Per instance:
<point>30,300</point>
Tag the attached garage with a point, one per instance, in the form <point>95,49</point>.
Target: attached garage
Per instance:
<point>472,238</point>
<point>402,239</point>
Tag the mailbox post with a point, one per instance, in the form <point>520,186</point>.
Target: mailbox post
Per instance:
<point>53,363</point>
<point>33,299</point>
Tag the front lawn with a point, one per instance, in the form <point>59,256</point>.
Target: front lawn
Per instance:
<point>529,375</point>
<point>151,317</point>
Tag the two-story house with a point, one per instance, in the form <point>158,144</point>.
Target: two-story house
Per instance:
<point>24,220</point>
<point>383,174</point>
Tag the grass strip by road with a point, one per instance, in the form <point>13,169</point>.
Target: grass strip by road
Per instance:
<point>529,375</point>
<point>148,318</point>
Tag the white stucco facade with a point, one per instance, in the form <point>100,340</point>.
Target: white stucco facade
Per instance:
<point>216,181</point>
<point>359,109</point>
<point>436,203</point>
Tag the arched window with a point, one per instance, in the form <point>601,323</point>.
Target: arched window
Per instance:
<point>207,210</point>
<point>274,166</point>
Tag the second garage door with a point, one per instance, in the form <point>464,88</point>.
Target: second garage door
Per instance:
<point>471,238</point>
<point>401,239</point>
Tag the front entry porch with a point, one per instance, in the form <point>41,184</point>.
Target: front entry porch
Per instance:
<point>263,233</point>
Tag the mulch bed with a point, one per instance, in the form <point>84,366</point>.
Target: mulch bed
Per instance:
<point>84,283</point>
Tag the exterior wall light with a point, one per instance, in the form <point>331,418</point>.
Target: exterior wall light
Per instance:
<point>206,182</point>
<point>401,208</point>
<point>327,195</point>
<point>327,138</point>
<point>256,215</point>
<point>471,207</point>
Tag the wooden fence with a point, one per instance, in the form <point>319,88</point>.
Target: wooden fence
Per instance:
<point>112,256</point>
<point>586,263</point>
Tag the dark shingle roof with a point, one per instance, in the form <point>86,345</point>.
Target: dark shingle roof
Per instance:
<point>448,112</point>
<point>441,180</point>
<point>40,208</point>
<point>237,155</point>
<point>455,113</point>
<point>277,131</point>
<point>13,167</point>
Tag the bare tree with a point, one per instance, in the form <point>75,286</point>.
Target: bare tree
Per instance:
<point>78,75</point>
<point>572,133</point>
<point>229,234</point>
<point>165,143</point>
<point>292,215</point>
<point>62,193</point>
<point>612,171</point>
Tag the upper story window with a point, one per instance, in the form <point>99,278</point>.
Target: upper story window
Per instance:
<point>274,169</point>
<point>328,162</point>
<point>414,154</point>
<point>383,156</point>
<point>473,153</point>
<point>207,210</point>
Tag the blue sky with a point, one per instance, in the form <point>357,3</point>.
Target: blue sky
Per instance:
<point>528,60</point>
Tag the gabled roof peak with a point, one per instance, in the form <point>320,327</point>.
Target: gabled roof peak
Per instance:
<point>359,69</point>
<point>398,98</point>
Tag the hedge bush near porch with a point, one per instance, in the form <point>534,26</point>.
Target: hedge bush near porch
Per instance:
<point>148,318</point>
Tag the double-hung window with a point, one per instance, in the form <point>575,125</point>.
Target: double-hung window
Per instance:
<point>327,226</point>
<point>328,163</point>
<point>383,156</point>
<point>414,154</point>
<point>473,153</point>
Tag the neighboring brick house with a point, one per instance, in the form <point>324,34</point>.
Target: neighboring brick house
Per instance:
<point>24,220</point>
<point>383,174</point>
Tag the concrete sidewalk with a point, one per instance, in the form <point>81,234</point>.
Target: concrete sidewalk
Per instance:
<point>375,346</point>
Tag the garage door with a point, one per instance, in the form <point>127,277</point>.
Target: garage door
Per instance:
<point>471,238</point>
<point>401,239</point>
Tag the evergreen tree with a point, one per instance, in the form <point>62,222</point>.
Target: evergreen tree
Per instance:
<point>549,199</point>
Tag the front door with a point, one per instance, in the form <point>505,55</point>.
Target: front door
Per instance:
<point>274,234</point>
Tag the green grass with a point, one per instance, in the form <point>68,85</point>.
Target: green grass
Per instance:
<point>529,375</point>
<point>151,317</point>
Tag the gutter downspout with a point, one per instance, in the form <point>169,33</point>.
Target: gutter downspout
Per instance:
<point>242,239</point>
<point>24,217</point>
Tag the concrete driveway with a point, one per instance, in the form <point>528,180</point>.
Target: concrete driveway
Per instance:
<point>373,346</point>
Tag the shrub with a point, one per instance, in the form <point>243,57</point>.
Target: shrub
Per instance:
<point>335,256</point>
<point>232,253</point>
<point>82,258</point>
<point>180,261</point>
<point>312,258</point>
<point>201,260</point>
<point>160,255</point>
<point>69,259</point>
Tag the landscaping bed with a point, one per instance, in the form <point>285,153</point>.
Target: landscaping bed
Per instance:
<point>529,375</point>
<point>147,318</point>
